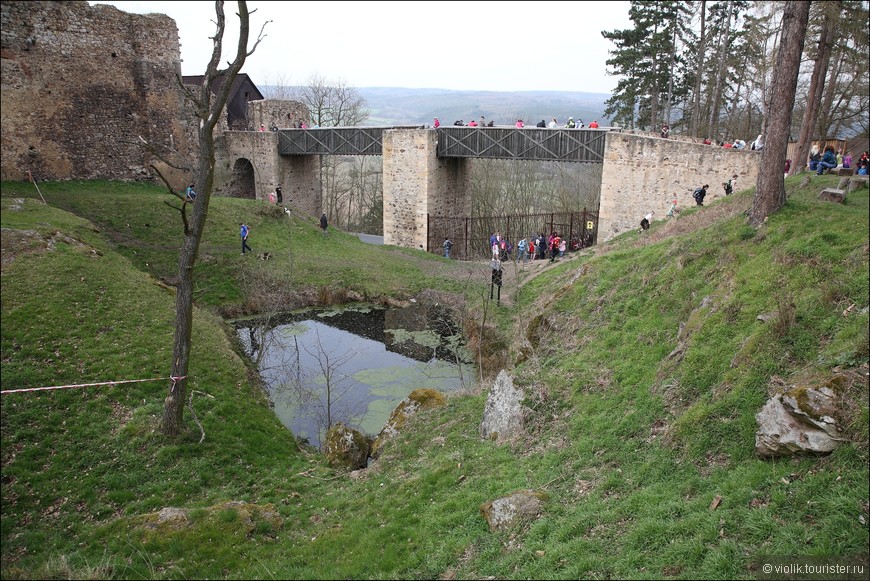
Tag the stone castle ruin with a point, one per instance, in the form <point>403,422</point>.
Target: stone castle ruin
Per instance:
<point>83,87</point>
<point>81,84</point>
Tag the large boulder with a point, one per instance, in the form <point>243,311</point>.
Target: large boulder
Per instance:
<point>800,420</point>
<point>504,412</point>
<point>507,511</point>
<point>346,447</point>
<point>416,400</point>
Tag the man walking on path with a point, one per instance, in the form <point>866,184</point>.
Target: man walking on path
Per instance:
<point>323,223</point>
<point>243,232</point>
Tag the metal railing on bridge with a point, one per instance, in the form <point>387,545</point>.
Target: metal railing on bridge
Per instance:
<point>532,143</point>
<point>335,140</point>
<point>528,143</point>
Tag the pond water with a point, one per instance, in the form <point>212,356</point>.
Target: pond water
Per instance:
<point>353,364</point>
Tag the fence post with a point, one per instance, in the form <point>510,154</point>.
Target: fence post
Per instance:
<point>570,231</point>
<point>466,238</point>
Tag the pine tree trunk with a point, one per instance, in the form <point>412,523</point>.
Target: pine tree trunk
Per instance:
<point>720,74</point>
<point>770,187</point>
<point>814,97</point>
<point>696,102</point>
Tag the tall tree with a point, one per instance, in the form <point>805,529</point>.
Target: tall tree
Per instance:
<point>830,19</point>
<point>648,56</point>
<point>208,107</point>
<point>719,79</point>
<point>770,186</point>
<point>696,92</point>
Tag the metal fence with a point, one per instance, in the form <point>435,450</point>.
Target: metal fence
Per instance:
<point>470,236</point>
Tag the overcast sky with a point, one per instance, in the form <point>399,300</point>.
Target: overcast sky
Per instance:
<point>481,46</point>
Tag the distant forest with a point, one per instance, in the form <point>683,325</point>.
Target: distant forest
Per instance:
<point>391,106</point>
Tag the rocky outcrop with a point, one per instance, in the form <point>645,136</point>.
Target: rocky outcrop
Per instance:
<point>346,448</point>
<point>800,420</point>
<point>504,412</point>
<point>249,516</point>
<point>508,511</point>
<point>416,400</point>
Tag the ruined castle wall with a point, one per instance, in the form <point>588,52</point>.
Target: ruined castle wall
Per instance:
<point>81,84</point>
<point>643,174</point>
<point>282,112</point>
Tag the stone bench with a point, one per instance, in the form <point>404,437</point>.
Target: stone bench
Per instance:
<point>845,171</point>
<point>833,195</point>
<point>852,183</point>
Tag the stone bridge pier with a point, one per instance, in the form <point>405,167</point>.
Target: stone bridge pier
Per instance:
<point>416,183</point>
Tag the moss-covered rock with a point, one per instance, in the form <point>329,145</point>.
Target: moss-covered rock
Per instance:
<point>800,420</point>
<point>346,448</point>
<point>508,511</point>
<point>416,400</point>
<point>246,516</point>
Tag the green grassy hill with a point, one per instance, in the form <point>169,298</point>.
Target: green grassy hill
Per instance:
<point>643,360</point>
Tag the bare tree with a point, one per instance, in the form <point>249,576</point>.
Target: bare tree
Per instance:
<point>320,393</point>
<point>208,107</point>
<point>336,104</point>
<point>770,186</point>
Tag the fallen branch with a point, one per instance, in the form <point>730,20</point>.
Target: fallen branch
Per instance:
<point>193,412</point>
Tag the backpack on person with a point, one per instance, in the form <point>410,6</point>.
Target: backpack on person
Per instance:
<point>729,189</point>
<point>698,193</point>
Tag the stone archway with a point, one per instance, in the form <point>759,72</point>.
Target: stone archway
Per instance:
<point>242,184</point>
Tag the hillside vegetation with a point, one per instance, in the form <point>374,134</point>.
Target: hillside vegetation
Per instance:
<point>644,364</point>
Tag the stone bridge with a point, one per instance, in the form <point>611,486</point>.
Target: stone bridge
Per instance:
<point>426,171</point>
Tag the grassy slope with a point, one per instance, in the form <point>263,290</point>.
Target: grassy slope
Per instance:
<point>625,500</point>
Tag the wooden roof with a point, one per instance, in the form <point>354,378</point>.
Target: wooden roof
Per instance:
<point>241,81</point>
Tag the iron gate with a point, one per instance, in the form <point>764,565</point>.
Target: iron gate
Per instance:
<point>470,236</point>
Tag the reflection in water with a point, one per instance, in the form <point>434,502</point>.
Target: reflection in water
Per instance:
<point>353,365</point>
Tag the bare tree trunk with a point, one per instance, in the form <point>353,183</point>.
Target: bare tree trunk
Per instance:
<point>208,112</point>
<point>770,186</point>
<point>814,97</point>
<point>720,73</point>
<point>696,101</point>
<point>671,75</point>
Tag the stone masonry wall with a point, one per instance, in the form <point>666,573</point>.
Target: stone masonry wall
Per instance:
<point>81,84</point>
<point>408,156</point>
<point>258,148</point>
<point>643,174</point>
<point>417,183</point>
<point>284,113</point>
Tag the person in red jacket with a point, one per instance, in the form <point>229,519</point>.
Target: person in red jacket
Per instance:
<point>594,125</point>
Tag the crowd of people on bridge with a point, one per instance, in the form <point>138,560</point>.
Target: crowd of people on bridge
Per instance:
<point>519,123</point>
